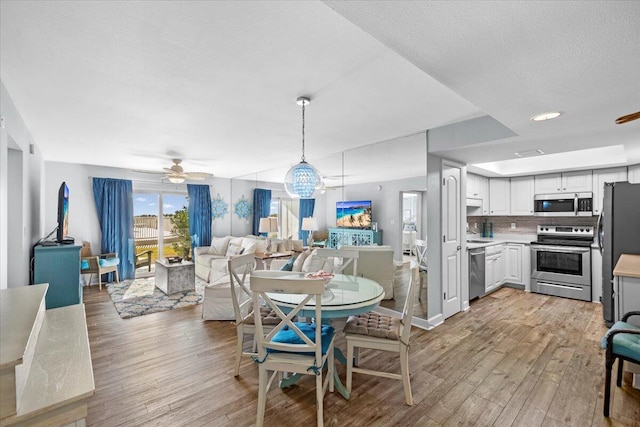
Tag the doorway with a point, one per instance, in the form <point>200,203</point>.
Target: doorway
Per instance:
<point>160,227</point>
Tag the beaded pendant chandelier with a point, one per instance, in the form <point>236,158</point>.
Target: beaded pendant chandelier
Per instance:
<point>302,180</point>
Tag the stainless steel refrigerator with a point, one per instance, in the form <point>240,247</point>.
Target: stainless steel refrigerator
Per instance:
<point>618,233</point>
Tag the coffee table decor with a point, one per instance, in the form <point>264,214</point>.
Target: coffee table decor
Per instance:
<point>138,297</point>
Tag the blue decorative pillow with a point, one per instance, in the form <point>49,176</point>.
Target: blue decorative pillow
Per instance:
<point>289,265</point>
<point>288,336</point>
<point>109,262</point>
<point>84,264</point>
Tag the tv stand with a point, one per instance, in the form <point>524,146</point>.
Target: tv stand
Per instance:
<point>353,237</point>
<point>68,241</point>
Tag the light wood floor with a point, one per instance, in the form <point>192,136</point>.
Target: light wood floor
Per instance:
<point>514,358</point>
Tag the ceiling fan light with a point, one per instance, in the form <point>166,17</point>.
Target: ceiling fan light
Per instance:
<point>546,116</point>
<point>176,179</point>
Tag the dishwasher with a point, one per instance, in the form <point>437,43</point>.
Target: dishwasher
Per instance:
<point>476,273</point>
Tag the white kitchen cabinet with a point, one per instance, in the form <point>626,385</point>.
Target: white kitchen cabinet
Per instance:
<point>596,275</point>
<point>482,185</point>
<point>634,174</point>
<point>548,184</point>
<point>494,267</point>
<point>576,182</point>
<point>478,188</point>
<point>600,176</point>
<point>472,192</point>
<point>513,263</point>
<point>565,182</point>
<point>499,196</point>
<point>522,195</point>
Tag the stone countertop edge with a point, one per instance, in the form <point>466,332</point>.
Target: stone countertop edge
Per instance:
<point>500,239</point>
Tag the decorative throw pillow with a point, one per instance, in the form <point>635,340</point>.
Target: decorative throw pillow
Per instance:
<point>261,245</point>
<point>299,262</point>
<point>248,246</point>
<point>289,265</point>
<point>275,245</point>
<point>297,245</point>
<point>219,245</point>
<point>236,240</point>
<point>234,249</point>
<point>313,263</point>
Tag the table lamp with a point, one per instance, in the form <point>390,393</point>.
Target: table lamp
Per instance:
<point>309,224</point>
<point>268,225</point>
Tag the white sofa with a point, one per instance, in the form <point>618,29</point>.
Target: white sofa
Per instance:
<point>375,263</point>
<point>214,257</point>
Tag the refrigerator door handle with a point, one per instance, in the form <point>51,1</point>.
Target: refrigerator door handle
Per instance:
<point>599,232</point>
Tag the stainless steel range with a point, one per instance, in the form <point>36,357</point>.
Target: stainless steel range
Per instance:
<point>561,261</point>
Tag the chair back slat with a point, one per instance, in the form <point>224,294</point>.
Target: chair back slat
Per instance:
<point>348,256</point>
<point>407,311</point>
<point>421,253</point>
<point>239,267</point>
<point>261,285</point>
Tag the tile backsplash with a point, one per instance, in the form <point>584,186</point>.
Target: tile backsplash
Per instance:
<point>524,224</point>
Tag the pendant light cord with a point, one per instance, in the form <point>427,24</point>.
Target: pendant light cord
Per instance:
<point>303,104</point>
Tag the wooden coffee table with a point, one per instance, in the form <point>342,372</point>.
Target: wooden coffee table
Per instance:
<point>177,277</point>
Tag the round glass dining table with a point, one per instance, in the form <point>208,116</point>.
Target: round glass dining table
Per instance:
<point>344,295</point>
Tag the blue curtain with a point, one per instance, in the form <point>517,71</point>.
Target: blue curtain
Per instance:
<point>114,203</point>
<point>305,211</point>
<point>199,214</point>
<point>261,207</point>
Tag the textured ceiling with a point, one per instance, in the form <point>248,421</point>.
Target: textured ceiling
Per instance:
<point>132,84</point>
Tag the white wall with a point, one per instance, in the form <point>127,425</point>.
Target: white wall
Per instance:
<point>386,206</point>
<point>434,233</point>
<point>26,228</point>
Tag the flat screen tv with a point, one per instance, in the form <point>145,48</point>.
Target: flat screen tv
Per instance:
<point>354,214</point>
<point>63,213</point>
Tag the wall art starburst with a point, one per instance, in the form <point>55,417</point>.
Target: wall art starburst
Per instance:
<point>219,208</point>
<point>242,208</point>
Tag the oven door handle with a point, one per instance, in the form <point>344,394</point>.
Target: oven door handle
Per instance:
<point>559,249</point>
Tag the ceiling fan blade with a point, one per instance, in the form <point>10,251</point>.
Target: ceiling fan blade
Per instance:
<point>198,176</point>
<point>628,118</point>
<point>147,172</point>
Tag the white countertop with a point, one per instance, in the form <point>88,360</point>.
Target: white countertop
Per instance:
<point>19,309</point>
<point>499,239</point>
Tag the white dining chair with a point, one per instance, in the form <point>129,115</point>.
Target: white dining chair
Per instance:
<point>293,347</point>
<point>421,258</point>
<point>240,268</point>
<point>381,332</point>
<point>349,257</point>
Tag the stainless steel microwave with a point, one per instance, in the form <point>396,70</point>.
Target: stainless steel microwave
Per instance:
<point>563,204</point>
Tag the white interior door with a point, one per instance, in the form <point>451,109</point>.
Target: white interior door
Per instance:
<point>451,238</point>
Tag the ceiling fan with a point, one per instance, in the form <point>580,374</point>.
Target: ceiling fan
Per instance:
<point>177,175</point>
<point>628,118</point>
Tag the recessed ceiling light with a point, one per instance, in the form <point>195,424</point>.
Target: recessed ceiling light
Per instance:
<point>529,153</point>
<point>546,116</point>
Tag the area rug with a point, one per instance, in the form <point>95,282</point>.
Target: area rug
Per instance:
<point>138,297</point>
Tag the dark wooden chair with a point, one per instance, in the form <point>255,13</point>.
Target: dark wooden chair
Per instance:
<point>144,258</point>
<point>622,342</point>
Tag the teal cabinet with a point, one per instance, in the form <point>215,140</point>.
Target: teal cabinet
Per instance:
<point>353,237</point>
<point>59,266</point>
